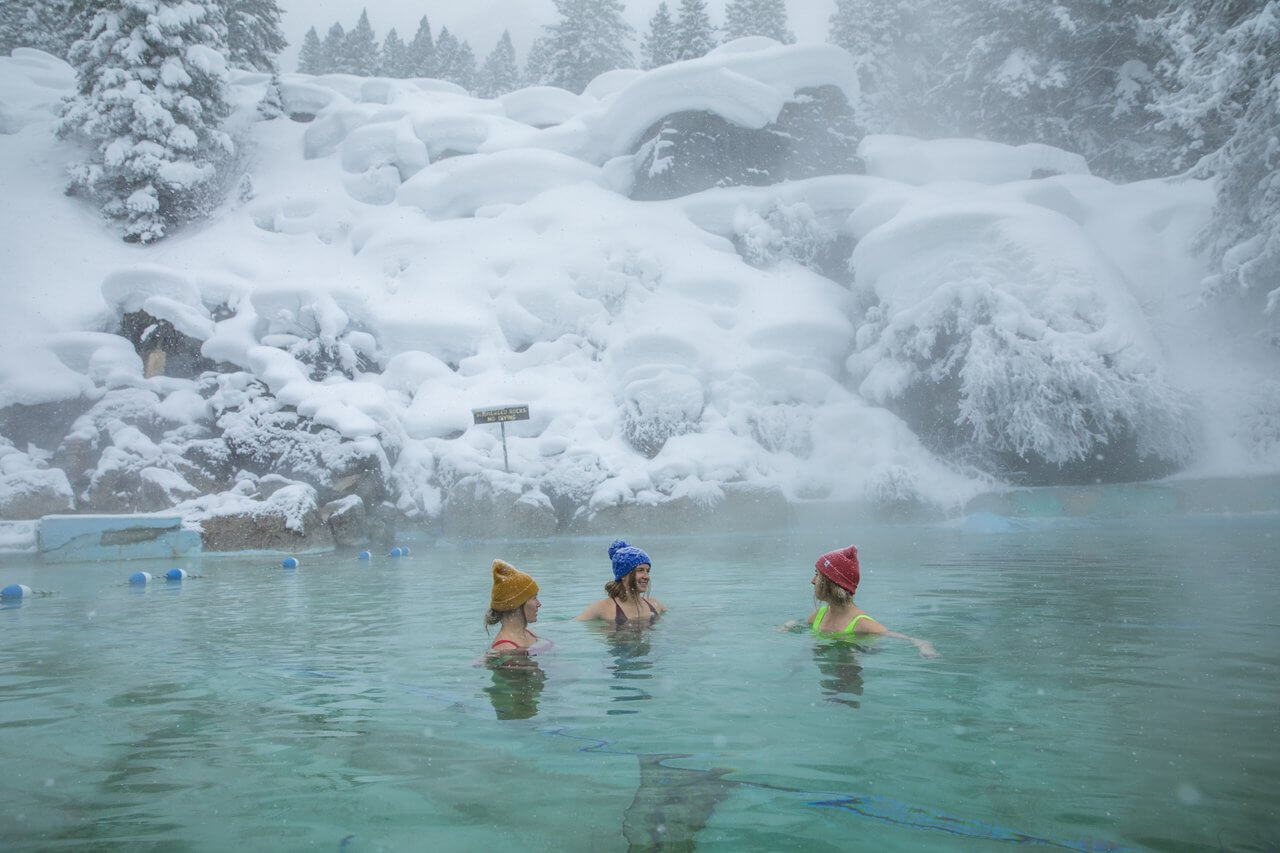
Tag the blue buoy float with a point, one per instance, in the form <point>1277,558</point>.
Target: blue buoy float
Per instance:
<point>290,562</point>
<point>176,574</point>
<point>364,555</point>
<point>15,590</point>
<point>404,551</point>
<point>396,552</point>
<point>140,578</point>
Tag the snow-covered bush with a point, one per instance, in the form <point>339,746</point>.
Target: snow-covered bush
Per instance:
<point>659,407</point>
<point>973,373</point>
<point>785,231</point>
<point>782,428</point>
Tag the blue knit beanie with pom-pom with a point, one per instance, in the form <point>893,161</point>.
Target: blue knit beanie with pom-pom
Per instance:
<point>625,558</point>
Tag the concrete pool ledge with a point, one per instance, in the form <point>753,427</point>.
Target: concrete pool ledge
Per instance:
<point>75,538</point>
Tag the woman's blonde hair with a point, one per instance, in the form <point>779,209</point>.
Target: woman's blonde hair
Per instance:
<point>830,592</point>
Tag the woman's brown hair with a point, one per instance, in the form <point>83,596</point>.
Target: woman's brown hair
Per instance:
<point>624,589</point>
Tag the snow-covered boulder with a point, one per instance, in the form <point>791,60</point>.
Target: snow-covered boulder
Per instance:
<point>287,520</point>
<point>34,493</point>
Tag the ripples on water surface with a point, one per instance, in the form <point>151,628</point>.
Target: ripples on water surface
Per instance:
<point>1101,687</point>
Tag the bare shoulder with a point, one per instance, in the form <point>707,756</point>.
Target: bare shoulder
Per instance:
<point>658,605</point>
<point>595,610</point>
<point>869,626</point>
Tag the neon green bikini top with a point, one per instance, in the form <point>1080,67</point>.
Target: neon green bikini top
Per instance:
<point>822,611</point>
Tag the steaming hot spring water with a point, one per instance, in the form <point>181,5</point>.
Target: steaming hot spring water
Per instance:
<point>1102,686</point>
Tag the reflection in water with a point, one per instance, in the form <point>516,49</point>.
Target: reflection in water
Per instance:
<point>838,662</point>
<point>630,650</point>
<point>671,805</point>
<point>517,684</point>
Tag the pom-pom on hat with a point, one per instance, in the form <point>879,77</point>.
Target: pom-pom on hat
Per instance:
<point>841,567</point>
<point>625,559</point>
<point>511,587</point>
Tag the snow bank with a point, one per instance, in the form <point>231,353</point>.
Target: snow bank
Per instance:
<point>414,253</point>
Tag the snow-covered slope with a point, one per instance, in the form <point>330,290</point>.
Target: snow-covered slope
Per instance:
<point>402,253</point>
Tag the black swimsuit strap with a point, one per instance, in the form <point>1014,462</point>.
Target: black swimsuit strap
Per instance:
<point>620,615</point>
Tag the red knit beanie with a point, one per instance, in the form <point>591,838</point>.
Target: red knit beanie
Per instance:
<point>841,567</point>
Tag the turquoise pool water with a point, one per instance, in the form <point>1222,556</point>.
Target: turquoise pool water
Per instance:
<point>1102,686</point>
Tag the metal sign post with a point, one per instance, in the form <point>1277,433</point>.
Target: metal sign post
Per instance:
<point>500,415</point>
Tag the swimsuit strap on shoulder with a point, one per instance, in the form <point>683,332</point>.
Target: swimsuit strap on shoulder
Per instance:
<point>817,619</point>
<point>849,630</point>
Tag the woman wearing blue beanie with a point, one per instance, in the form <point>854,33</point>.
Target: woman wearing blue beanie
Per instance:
<point>628,603</point>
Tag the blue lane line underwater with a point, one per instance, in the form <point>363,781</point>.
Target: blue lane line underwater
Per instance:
<point>872,806</point>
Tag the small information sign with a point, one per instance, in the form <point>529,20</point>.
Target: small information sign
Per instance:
<point>501,414</point>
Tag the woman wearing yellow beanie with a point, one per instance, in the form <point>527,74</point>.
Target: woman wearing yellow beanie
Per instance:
<point>514,604</point>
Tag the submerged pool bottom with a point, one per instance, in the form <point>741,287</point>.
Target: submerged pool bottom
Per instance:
<point>1078,705</point>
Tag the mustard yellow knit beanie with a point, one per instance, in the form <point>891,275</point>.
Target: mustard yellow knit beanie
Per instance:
<point>511,587</point>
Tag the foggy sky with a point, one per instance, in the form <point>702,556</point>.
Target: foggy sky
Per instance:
<point>481,22</point>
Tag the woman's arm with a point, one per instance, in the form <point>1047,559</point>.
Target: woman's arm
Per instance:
<point>595,610</point>
<point>871,626</point>
<point>796,625</point>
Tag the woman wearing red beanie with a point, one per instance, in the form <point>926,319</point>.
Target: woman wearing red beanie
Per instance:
<point>835,580</point>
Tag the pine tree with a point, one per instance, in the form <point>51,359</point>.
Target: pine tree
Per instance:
<point>462,66</point>
<point>589,39</point>
<point>272,103</point>
<point>1076,74</point>
<point>446,47</point>
<point>694,34</point>
<point>311,54</point>
<point>884,38</point>
<point>360,50</point>
<point>499,74</point>
<point>151,93</point>
<point>1226,70</point>
<point>393,59</point>
<point>537,65</point>
<point>757,18</point>
<point>254,38</point>
<point>422,52</point>
<point>332,48</point>
<point>659,46</point>
<point>12,13</point>
<point>48,25</point>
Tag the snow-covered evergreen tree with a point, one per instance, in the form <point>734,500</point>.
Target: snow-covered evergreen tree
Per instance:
<point>360,50</point>
<point>272,103</point>
<point>537,66</point>
<point>393,58</point>
<point>48,25</point>
<point>446,47</point>
<point>331,49</point>
<point>254,37</point>
<point>151,80</point>
<point>659,46</point>
<point>694,34</point>
<point>590,38</point>
<point>422,51</point>
<point>462,66</point>
<point>886,40</point>
<point>757,18</point>
<point>499,74</point>
<point>311,54</point>
<point>1076,74</point>
<point>1225,64</point>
